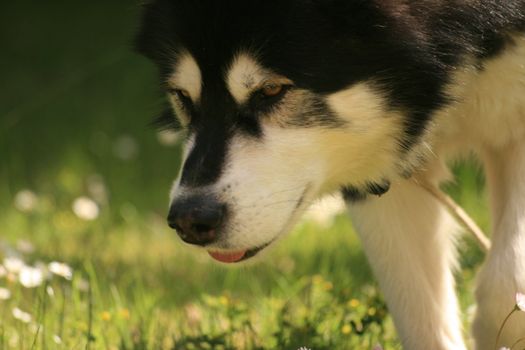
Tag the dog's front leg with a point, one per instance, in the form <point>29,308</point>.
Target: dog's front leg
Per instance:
<point>504,272</point>
<point>408,238</point>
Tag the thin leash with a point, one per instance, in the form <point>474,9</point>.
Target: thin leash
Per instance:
<point>459,213</point>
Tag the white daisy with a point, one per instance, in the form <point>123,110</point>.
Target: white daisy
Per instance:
<point>520,301</point>
<point>25,201</point>
<point>21,315</point>
<point>14,264</point>
<point>5,294</point>
<point>57,339</point>
<point>31,277</point>
<point>61,269</point>
<point>86,208</point>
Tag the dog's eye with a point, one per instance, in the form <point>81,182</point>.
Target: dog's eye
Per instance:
<point>182,94</point>
<point>268,96</point>
<point>272,90</point>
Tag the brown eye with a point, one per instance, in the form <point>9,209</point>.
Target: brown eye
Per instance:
<point>271,90</point>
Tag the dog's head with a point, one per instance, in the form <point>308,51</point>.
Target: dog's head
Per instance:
<point>283,101</point>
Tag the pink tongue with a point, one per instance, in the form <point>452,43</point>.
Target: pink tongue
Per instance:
<point>228,258</point>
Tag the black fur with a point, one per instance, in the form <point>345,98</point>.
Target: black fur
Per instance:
<point>167,120</point>
<point>352,194</point>
<point>407,48</point>
<point>378,189</point>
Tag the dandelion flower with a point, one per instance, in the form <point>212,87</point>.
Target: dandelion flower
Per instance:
<point>21,315</point>
<point>5,294</point>
<point>347,329</point>
<point>25,201</point>
<point>105,316</point>
<point>61,269</point>
<point>86,209</point>
<point>13,264</point>
<point>520,301</point>
<point>224,301</point>
<point>31,277</point>
<point>354,303</point>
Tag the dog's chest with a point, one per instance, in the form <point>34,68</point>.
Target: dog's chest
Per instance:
<point>490,111</point>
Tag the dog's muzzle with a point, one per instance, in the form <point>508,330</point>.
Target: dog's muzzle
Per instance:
<point>197,219</point>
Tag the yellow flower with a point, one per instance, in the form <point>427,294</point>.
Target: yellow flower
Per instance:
<point>105,316</point>
<point>347,329</point>
<point>354,303</point>
<point>125,314</point>
<point>224,301</point>
<point>328,286</point>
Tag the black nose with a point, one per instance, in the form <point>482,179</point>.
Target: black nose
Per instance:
<point>197,219</point>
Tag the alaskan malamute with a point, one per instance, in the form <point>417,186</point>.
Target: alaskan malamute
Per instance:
<point>287,100</point>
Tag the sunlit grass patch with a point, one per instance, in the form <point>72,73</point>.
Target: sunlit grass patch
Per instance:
<point>79,271</point>
<point>134,286</point>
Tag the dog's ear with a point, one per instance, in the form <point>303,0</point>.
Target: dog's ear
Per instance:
<point>144,35</point>
<point>166,120</point>
<point>153,34</point>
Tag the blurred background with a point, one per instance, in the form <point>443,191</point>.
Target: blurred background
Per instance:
<point>86,260</point>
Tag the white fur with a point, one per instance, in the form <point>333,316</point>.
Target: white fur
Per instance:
<point>243,76</point>
<point>491,122</point>
<point>407,239</point>
<point>504,272</point>
<point>407,236</point>
<point>265,201</point>
<point>187,76</point>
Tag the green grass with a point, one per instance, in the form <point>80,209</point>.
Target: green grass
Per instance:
<point>147,291</point>
<point>71,89</point>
